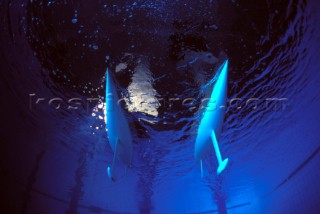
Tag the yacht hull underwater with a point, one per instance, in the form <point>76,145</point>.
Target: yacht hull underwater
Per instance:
<point>118,132</point>
<point>211,123</point>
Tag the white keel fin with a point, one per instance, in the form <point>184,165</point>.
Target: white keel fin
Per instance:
<point>222,164</point>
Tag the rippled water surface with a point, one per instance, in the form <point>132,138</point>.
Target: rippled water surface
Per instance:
<point>163,56</point>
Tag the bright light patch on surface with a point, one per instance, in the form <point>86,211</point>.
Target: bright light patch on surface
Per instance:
<point>142,96</point>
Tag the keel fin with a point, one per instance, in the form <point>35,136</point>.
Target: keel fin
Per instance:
<point>110,170</point>
<point>222,164</point>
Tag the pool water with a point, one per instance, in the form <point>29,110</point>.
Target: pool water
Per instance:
<point>163,57</point>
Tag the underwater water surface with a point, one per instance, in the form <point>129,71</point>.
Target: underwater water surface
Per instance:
<point>163,57</point>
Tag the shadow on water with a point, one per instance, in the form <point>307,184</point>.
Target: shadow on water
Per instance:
<point>32,179</point>
<point>77,191</point>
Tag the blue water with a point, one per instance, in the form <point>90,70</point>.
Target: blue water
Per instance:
<point>55,160</point>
